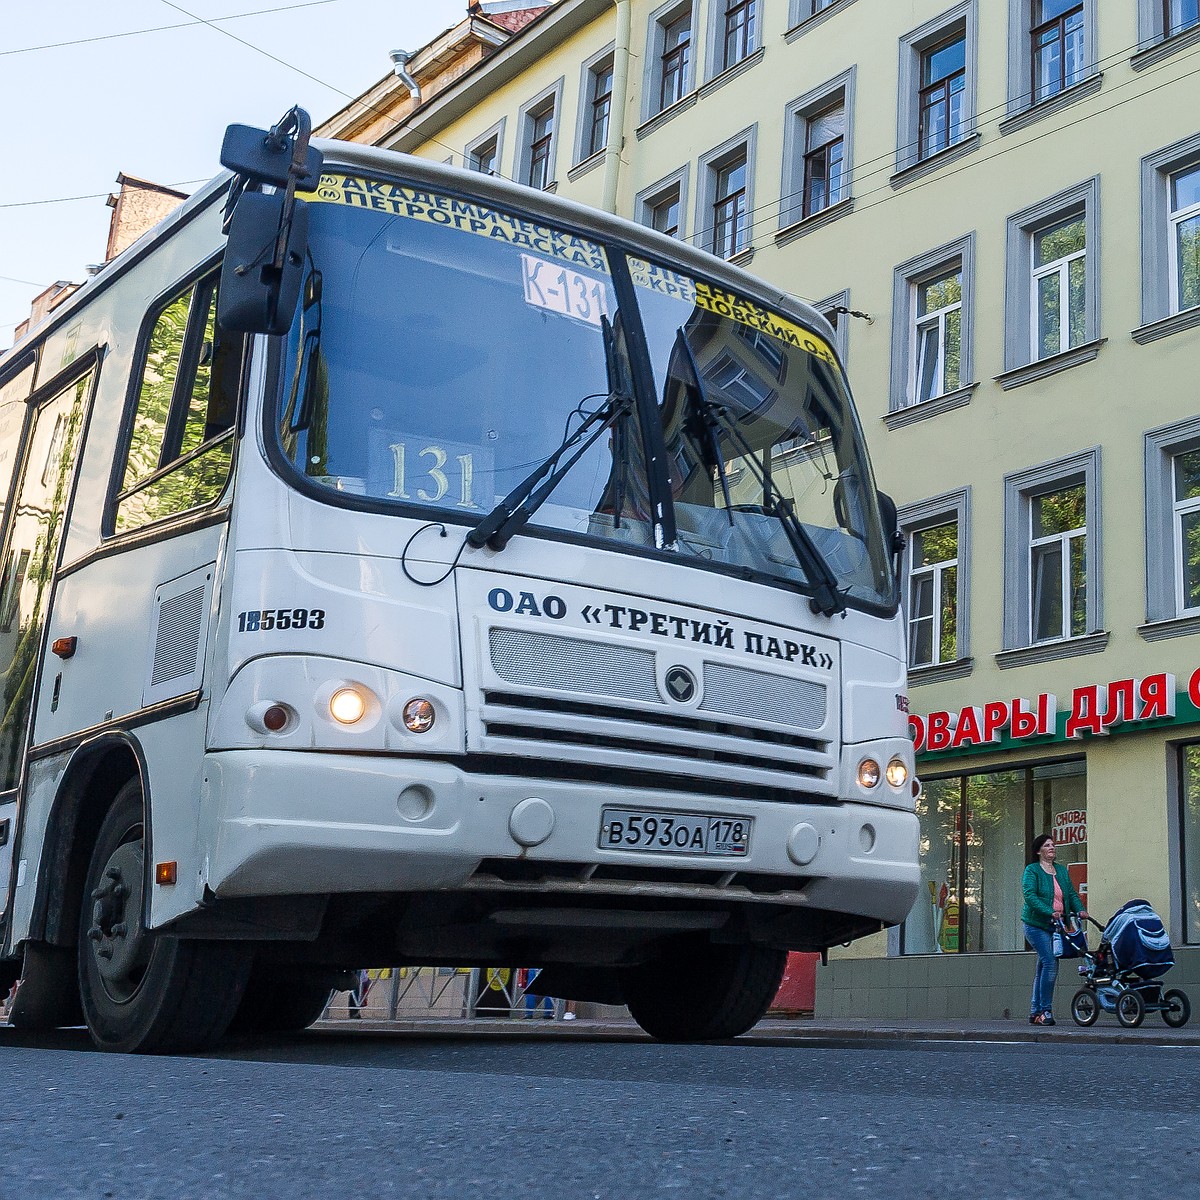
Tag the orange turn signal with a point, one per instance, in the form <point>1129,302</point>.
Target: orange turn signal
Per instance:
<point>165,873</point>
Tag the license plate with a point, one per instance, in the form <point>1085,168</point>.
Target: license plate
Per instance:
<point>674,833</point>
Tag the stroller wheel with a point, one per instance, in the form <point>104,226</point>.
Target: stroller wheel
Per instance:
<point>1178,1010</point>
<point>1131,1009</point>
<point>1085,1008</point>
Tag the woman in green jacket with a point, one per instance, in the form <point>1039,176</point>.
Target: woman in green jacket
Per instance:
<point>1049,897</point>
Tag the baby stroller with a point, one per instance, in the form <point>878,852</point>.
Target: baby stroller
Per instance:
<point>1124,973</point>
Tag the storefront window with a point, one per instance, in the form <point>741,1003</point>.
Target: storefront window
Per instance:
<point>975,836</point>
<point>1189,778</point>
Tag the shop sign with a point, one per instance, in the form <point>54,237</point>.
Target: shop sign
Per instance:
<point>1070,828</point>
<point>1095,710</point>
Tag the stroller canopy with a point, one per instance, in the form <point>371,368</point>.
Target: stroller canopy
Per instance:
<point>1139,941</point>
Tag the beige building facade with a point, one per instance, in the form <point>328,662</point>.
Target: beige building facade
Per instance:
<point>997,203</point>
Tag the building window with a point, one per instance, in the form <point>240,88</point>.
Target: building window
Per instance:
<point>1052,300</point>
<point>937,570</point>
<point>1057,46</point>
<point>937,335</point>
<point>1171,235</point>
<point>933,596</point>
<point>937,107</point>
<point>824,156</point>
<point>741,20</point>
<point>1051,49</point>
<point>483,155</point>
<point>664,215</point>
<point>729,208</point>
<point>932,324</point>
<point>1179,15</point>
<point>1173,521</point>
<point>675,60</point>
<point>974,844</point>
<point>1058,564</point>
<point>1161,20</point>
<point>662,205</point>
<point>1051,528</point>
<point>943,84</point>
<point>540,142</point>
<point>600,86</point>
<point>1059,287</point>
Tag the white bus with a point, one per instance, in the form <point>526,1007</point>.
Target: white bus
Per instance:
<point>404,566</point>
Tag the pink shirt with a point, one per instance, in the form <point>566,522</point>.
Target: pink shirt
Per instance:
<point>1058,899</point>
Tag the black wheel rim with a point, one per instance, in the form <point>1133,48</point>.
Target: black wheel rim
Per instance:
<point>117,939</point>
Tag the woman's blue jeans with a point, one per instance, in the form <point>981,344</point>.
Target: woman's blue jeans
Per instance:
<point>1046,973</point>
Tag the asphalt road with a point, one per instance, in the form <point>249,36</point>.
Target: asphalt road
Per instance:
<point>352,1117</point>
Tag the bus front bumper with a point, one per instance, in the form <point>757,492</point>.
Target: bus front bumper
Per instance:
<point>296,823</point>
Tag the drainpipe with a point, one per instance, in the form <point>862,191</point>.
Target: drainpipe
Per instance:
<point>616,124</point>
<point>400,60</point>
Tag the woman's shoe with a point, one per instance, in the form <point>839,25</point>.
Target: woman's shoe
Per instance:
<point>1033,1018</point>
<point>1042,1019</point>
<point>1048,1018</point>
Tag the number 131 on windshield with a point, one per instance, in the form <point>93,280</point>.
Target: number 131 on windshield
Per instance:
<point>558,289</point>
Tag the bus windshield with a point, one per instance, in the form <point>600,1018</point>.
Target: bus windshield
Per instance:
<point>445,349</point>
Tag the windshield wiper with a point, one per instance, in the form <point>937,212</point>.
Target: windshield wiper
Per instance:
<point>826,598</point>
<point>511,515</point>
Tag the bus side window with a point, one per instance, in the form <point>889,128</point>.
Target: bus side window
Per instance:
<point>181,444</point>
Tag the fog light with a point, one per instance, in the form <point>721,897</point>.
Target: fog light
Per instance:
<point>868,773</point>
<point>418,715</point>
<point>347,706</point>
<point>897,772</point>
<point>275,719</point>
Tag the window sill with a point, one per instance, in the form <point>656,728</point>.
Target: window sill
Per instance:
<point>1172,627</point>
<point>588,164</point>
<point>742,257</point>
<point>646,128</point>
<point>1175,323</point>
<point>719,81</point>
<point>959,669</point>
<point>1025,656</point>
<point>1032,372</point>
<point>1052,104</point>
<point>811,22</point>
<point>935,162</point>
<point>911,413</point>
<point>789,233</point>
<point>1165,48</point>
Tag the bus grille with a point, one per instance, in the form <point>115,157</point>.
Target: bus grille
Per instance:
<point>751,729</point>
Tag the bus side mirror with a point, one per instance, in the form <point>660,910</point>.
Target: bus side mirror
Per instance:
<point>270,157</point>
<point>893,539</point>
<point>259,289</point>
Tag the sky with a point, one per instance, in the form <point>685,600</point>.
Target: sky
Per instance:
<point>92,89</point>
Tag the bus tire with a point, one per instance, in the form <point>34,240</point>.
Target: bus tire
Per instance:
<point>283,999</point>
<point>143,992</point>
<point>700,992</point>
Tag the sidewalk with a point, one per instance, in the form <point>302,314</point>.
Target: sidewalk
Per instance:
<point>816,1031</point>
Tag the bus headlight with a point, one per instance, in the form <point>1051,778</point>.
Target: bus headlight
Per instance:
<point>897,772</point>
<point>347,706</point>
<point>868,773</point>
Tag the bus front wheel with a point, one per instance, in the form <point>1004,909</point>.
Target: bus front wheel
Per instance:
<point>699,992</point>
<point>141,991</point>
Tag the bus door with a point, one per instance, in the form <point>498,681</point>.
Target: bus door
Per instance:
<point>30,557</point>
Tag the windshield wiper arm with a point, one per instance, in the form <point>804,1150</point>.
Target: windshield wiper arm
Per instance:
<point>510,515</point>
<point>826,598</point>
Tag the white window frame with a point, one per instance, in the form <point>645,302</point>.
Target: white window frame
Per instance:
<point>1164,548</point>
<point>1175,218</point>
<point>948,508</point>
<point>1062,268</point>
<point>938,319</point>
<point>1020,489</point>
<point>797,116</point>
<point>1020,341</point>
<point>936,572</point>
<point>1065,542</point>
<point>1179,510</point>
<point>1020,64</point>
<point>902,396</point>
<point>1160,297</point>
